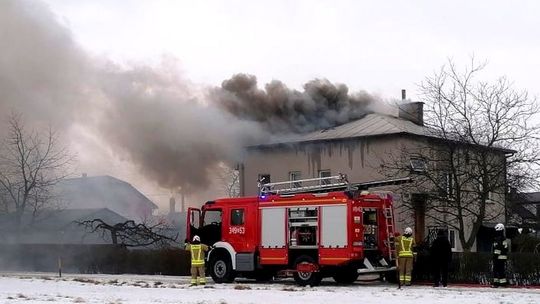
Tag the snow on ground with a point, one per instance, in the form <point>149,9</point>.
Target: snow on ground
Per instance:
<point>127,289</point>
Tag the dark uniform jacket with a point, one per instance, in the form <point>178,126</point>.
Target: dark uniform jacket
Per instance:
<point>500,249</point>
<point>441,250</point>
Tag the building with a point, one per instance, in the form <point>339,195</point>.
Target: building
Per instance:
<point>105,192</point>
<point>359,149</point>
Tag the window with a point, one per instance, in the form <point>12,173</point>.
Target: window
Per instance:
<point>446,186</point>
<point>452,238</point>
<point>451,234</point>
<point>212,217</point>
<point>293,176</point>
<point>264,178</point>
<point>237,217</point>
<point>323,174</point>
<point>418,165</point>
<point>490,194</point>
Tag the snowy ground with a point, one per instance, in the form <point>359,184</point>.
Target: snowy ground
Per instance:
<point>124,289</point>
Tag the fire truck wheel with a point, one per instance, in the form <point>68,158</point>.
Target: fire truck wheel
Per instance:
<point>221,269</point>
<point>306,278</point>
<point>345,275</point>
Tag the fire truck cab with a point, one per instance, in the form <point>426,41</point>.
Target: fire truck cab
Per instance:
<point>326,230</point>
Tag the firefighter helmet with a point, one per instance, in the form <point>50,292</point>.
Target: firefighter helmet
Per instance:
<point>196,238</point>
<point>408,230</point>
<point>499,227</point>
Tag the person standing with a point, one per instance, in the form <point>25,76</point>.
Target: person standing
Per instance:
<point>405,245</point>
<point>441,256</point>
<point>500,256</point>
<point>197,260</point>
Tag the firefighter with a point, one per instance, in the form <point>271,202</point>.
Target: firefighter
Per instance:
<point>441,256</point>
<point>500,255</point>
<point>405,245</point>
<point>197,260</point>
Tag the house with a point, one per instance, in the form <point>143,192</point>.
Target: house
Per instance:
<point>359,149</point>
<point>94,192</point>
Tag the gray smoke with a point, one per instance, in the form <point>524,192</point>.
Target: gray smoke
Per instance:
<point>173,138</point>
<point>42,70</point>
<point>150,115</point>
<point>278,108</point>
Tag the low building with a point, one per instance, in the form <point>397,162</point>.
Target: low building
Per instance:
<point>525,211</point>
<point>105,192</point>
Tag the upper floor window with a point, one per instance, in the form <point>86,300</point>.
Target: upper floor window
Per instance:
<point>418,164</point>
<point>447,185</point>
<point>323,174</point>
<point>489,195</point>
<point>294,176</point>
<point>264,178</point>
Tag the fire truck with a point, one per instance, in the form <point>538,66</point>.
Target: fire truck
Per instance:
<point>310,229</point>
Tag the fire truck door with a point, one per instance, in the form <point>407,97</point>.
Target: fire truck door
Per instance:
<point>193,223</point>
<point>237,233</point>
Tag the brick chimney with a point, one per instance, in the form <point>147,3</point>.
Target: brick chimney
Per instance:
<point>413,111</point>
<point>172,205</point>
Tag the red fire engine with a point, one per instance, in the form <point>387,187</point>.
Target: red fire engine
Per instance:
<point>330,229</point>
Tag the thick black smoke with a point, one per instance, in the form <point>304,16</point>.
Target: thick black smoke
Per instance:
<point>174,135</point>
<point>278,108</point>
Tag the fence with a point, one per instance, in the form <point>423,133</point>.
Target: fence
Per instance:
<point>523,269</point>
<point>93,259</point>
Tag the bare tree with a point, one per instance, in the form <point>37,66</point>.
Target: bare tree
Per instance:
<point>31,164</point>
<point>131,234</point>
<point>229,180</point>
<point>479,141</point>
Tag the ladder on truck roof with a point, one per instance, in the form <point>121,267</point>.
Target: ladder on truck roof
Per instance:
<point>323,184</point>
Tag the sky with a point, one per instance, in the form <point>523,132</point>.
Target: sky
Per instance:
<point>380,47</point>
<point>377,46</point>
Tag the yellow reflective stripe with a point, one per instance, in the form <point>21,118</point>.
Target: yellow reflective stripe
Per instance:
<point>502,257</point>
<point>496,251</point>
<point>196,252</point>
<point>406,252</point>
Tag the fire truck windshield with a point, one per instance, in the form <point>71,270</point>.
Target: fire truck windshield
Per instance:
<point>211,227</point>
<point>212,217</point>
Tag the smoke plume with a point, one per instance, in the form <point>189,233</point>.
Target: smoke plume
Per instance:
<point>278,108</point>
<point>173,132</point>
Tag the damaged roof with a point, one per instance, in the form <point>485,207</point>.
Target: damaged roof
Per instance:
<point>370,125</point>
<point>374,124</point>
